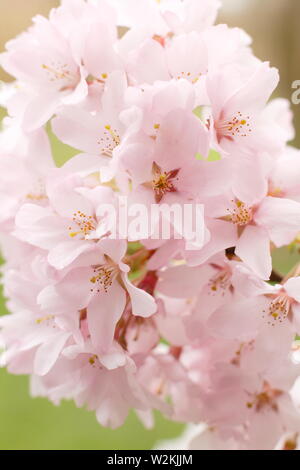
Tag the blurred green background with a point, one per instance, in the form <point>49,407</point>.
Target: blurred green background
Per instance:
<point>27,423</point>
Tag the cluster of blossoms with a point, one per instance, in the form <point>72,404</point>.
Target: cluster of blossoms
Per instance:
<point>163,107</point>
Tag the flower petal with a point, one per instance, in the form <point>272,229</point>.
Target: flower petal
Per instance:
<point>103,313</point>
<point>143,304</point>
<point>253,248</point>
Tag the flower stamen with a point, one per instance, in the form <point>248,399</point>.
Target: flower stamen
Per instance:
<point>242,214</point>
<point>265,400</point>
<point>237,126</point>
<point>111,140</point>
<point>279,309</point>
<point>163,182</point>
<point>193,78</point>
<point>104,276</point>
<point>221,282</point>
<point>59,72</point>
<point>85,223</point>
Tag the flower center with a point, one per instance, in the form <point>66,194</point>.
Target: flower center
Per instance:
<point>160,39</point>
<point>279,309</point>
<point>163,182</point>
<point>38,192</point>
<point>193,78</point>
<point>59,73</point>
<point>237,126</point>
<point>244,347</point>
<point>85,224</point>
<point>109,141</point>
<point>93,359</point>
<point>221,282</point>
<point>104,275</point>
<point>275,191</point>
<point>241,214</point>
<point>266,400</point>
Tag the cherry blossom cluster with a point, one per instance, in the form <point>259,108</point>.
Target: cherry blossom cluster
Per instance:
<point>162,107</point>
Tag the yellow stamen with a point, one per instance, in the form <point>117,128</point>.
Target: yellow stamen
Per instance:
<point>104,275</point>
<point>110,140</point>
<point>279,309</point>
<point>85,223</point>
<point>242,214</point>
<point>43,319</point>
<point>237,126</point>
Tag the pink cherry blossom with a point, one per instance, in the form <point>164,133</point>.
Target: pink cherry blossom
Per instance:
<point>66,53</point>
<point>162,109</point>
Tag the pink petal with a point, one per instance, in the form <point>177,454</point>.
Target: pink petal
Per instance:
<point>153,57</point>
<point>183,281</point>
<point>77,128</point>
<point>48,353</point>
<point>253,248</point>
<point>40,110</point>
<point>281,217</point>
<point>115,249</point>
<point>143,304</point>
<point>66,252</point>
<point>238,319</point>
<point>292,288</point>
<point>250,182</point>
<point>251,97</point>
<point>103,313</point>
<point>223,236</point>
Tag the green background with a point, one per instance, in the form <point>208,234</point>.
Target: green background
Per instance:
<point>27,423</point>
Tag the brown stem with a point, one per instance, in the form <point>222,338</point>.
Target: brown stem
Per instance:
<point>276,277</point>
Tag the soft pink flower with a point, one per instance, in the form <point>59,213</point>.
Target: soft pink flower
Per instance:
<point>66,50</point>
<point>236,106</point>
<point>99,283</point>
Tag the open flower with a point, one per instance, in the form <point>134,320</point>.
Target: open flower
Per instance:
<point>236,109</point>
<point>66,50</point>
<point>101,288</point>
<point>187,314</point>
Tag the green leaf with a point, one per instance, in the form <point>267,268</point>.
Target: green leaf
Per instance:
<point>213,156</point>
